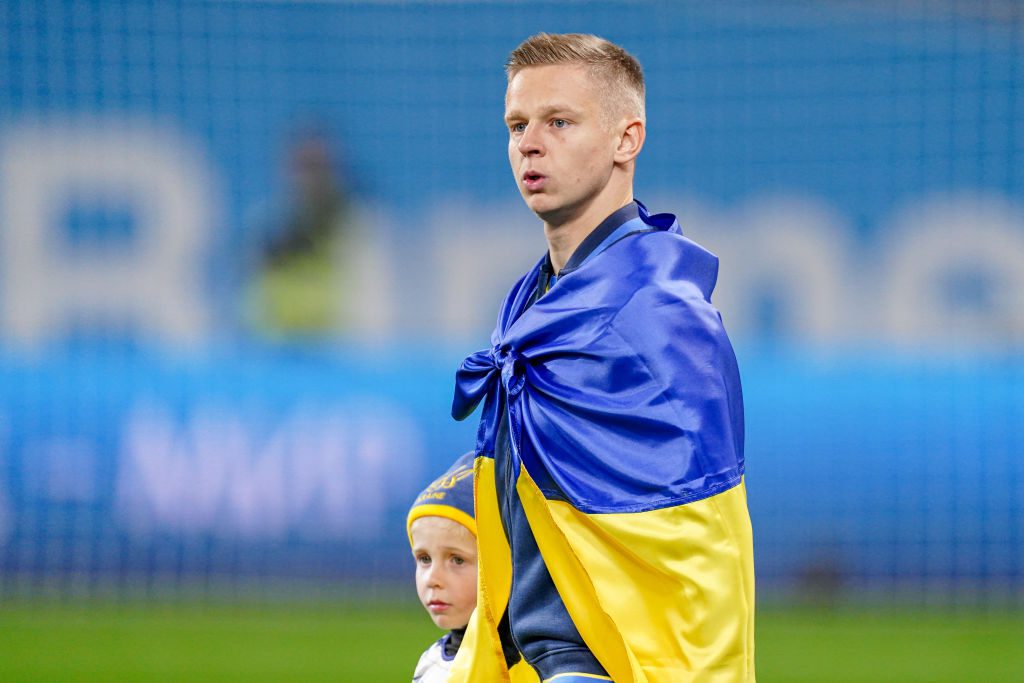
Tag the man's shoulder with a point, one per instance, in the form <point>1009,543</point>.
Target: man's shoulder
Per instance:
<point>665,284</point>
<point>658,263</point>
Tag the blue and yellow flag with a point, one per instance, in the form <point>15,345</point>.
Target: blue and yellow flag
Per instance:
<point>625,417</point>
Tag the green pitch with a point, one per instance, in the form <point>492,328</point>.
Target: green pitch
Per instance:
<point>380,644</point>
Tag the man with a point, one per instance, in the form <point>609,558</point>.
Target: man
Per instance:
<point>614,537</point>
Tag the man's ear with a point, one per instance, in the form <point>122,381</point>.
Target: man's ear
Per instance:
<point>631,140</point>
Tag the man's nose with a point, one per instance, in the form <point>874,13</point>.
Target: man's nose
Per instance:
<point>530,142</point>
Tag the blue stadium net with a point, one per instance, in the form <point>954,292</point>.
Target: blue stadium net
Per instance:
<point>244,245</point>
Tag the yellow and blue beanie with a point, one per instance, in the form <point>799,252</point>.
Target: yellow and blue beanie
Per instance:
<point>450,495</point>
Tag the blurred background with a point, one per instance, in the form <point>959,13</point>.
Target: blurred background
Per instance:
<point>244,246</point>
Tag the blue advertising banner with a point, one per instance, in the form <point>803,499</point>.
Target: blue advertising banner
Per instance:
<point>303,466</point>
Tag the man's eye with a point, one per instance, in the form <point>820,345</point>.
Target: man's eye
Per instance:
<point>560,123</point>
<point>518,127</point>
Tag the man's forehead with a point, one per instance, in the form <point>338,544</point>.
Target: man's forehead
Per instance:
<point>545,73</point>
<point>536,86</point>
<point>546,108</point>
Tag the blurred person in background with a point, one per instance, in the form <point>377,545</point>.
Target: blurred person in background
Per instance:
<point>301,284</point>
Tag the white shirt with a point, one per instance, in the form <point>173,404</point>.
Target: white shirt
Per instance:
<point>433,666</point>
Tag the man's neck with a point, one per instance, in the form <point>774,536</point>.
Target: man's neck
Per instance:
<point>564,238</point>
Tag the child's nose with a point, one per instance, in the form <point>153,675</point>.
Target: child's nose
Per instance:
<point>435,577</point>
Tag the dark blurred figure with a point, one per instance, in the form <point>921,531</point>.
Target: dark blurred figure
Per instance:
<point>299,287</point>
<point>820,581</point>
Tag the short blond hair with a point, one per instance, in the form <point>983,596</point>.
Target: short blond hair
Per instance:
<point>604,60</point>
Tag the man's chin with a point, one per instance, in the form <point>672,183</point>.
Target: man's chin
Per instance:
<point>546,209</point>
<point>537,201</point>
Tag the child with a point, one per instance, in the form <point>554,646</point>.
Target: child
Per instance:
<point>442,531</point>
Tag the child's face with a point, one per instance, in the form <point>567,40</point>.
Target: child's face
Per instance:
<point>445,553</point>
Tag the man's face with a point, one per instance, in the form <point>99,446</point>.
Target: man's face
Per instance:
<point>445,554</point>
<point>561,146</point>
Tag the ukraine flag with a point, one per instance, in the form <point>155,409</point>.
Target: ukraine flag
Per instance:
<point>625,416</point>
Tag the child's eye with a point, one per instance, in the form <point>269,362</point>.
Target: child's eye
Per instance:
<point>458,560</point>
<point>423,559</point>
